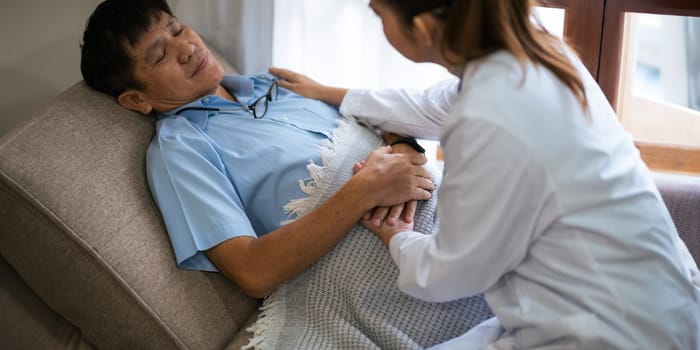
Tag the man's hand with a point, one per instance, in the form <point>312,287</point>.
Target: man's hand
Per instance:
<point>391,215</point>
<point>405,211</point>
<point>385,222</point>
<point>390,179</point>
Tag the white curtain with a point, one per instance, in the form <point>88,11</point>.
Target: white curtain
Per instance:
<point>241,30</point>
<point>337,42</point>
<point>340,42</point>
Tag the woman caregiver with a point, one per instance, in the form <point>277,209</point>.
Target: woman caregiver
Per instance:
<point>545,205</point>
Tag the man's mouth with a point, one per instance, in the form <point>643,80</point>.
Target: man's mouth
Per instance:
<point>201,65</point>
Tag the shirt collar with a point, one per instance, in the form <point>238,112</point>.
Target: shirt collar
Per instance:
<point>239,85</point>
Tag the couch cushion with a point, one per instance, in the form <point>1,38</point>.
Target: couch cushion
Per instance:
<point>27,323</point>
<point>80,227</point>
<point>682,197</point>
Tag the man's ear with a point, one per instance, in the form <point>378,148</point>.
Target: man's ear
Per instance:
<point>135,101</point>
<point>426,29</point>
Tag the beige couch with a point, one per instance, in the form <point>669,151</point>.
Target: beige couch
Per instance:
<point>85,259</point>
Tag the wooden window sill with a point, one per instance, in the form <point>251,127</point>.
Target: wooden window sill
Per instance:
<point>672,158</point>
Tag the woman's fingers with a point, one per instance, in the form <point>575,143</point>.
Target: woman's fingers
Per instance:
<point>379,216</point>
<point>409,211</point>
<point>285,74</point>
<point>394,214</point>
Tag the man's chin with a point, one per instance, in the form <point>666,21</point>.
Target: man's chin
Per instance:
<point>220,70</point>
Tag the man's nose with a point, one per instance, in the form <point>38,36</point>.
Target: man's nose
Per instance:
<point>185,51</point>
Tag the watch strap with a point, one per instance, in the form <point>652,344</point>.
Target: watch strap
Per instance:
<point>411,141</point>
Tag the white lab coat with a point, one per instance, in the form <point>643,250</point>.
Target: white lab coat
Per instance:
<point>548,211</point>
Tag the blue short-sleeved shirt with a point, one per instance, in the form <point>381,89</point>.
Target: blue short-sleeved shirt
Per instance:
<point>219,175</point>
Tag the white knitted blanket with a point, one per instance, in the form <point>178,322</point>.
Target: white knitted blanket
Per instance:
<point>349,298</point>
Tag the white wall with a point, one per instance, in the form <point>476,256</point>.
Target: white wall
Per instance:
<point>40,56</point>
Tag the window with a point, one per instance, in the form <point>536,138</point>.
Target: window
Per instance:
<point>552,19</point>
<point>645,55</point>
<point>657,101</point>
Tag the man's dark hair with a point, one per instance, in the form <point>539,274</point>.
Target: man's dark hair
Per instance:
<point>113,27</point>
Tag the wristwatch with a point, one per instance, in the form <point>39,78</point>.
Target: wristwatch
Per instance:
<point>411,141</point>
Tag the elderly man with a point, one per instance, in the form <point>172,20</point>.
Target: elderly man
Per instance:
<point>229,151</point>
<point>234,168</point>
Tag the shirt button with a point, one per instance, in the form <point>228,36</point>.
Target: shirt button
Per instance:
<point>284,118</point>
<point>205,100</point>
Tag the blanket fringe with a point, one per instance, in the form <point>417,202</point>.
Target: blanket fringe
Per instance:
<point>266,328</point>
<point>343,138</point>
<point>333,154</point>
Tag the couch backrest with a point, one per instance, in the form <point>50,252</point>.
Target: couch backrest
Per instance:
<point>682,197</point>
<point>78,224</point>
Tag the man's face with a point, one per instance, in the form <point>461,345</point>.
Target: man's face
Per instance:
<point>173,63</point>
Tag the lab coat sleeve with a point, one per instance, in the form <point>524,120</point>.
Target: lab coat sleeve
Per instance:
<point>495,200</point>
<point>403,111</point>
<point>689,264</point>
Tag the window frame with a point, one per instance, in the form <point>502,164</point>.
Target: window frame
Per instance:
<point>595,28</point>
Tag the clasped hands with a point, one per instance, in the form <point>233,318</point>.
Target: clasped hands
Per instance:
<point>392,174</point>
<point>386,221</point>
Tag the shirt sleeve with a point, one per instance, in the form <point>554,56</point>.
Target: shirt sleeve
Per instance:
<point>199,204</point>
<point>494,201</point>
<point>403,111</point>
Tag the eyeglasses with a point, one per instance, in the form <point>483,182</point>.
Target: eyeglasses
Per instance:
<point>258,108</point>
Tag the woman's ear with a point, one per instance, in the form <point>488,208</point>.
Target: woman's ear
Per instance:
<point>426,29</point>
<point>135,101</point>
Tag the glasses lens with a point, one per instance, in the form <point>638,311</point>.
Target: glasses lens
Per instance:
<point>273,91</point>
<point>260,108</point>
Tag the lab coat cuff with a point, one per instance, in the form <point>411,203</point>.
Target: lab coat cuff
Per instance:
<point>395,244</point>
<point>352,102</point>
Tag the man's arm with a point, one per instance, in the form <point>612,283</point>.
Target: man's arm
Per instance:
<point>259,265</point>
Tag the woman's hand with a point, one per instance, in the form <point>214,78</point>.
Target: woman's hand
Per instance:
<point>385,231</point>
<point>307,87</point>
<point>390,137</point>
<point>392,215</point>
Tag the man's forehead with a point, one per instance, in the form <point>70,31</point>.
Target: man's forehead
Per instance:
<point>158,23</point>
<point>148,40</point>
